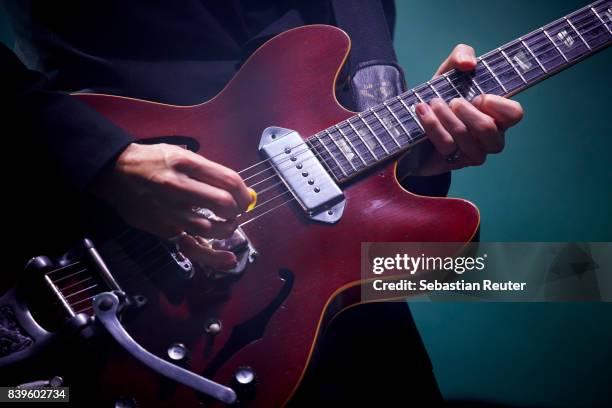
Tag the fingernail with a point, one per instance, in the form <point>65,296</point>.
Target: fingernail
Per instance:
<point>423,109</point>
<point>465,58</point>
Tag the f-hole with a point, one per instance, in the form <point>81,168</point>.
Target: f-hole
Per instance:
<point>186,142</point>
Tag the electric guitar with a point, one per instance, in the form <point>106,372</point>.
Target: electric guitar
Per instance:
<point>326,182</point>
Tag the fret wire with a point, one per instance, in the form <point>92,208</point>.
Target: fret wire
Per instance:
<point>555,45</point>
<point>331,155</point>
<point>577,32</point>
<point>533,55</point>
<point>398,121</point>
<point>601,19</point>
<point>434,89</point>
<point>351,144</point>
<point>339,149</point>
<point>362,140</point>
<point>373,133</point>
<point>411,114</point>
<point>512,65</point>
<point>542,29</point>
<point>419,97</point>
<point>445,75</point>
<point>385,127</point>
<point>493,74</point>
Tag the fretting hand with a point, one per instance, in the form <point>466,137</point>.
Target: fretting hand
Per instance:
<point>464,133</point>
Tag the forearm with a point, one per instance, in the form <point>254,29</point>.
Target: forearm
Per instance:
<point>77,140</point>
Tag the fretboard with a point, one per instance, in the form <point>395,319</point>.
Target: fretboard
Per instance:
<point>386,130</point>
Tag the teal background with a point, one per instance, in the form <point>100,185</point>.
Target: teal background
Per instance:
<point>553,182</point>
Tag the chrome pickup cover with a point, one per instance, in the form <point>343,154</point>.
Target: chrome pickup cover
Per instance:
<point>303,173</point>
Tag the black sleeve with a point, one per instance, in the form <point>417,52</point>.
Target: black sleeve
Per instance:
<point>72,136</point>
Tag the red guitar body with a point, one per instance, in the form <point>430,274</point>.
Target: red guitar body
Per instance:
<point>311,270</point>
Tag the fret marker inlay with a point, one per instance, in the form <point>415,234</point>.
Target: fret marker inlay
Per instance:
<point>522,61</point>
<point>566,38</point>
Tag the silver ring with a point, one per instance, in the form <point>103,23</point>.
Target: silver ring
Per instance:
<point>203,212</point>
<point>453,157</point>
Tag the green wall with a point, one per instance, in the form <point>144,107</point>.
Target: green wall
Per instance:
<point>553,182</point>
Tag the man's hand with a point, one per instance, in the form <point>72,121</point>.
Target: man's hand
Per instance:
<point>464,130</point>
<point>155,188</point>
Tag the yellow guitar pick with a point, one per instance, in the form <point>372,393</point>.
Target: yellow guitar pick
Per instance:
<point>253,194</point>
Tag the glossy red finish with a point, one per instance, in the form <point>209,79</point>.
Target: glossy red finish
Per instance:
<point>289,83</point>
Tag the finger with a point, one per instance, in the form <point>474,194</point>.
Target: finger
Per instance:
<point>453,125</point>
<point>208,228</point>
<point>463,58</point>
<point>185,192</point>
<point>486,137</point>
<point>437,134</point>
<point>200,252</point>
<point>506,112</point>
<point>207,171</point>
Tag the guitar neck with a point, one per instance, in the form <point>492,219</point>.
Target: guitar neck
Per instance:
<point>365,140</point>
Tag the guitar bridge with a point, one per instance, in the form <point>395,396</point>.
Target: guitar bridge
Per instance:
<point>240,245</point>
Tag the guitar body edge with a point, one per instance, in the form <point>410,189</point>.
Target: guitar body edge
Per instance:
<point>306,271</point>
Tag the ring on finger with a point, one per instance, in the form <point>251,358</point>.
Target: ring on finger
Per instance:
<point>454,156</point>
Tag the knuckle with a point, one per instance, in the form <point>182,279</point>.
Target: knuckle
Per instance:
<point>458,129</point>
<point>176,158</point>
<point>231,179</point>
<point>165,179</point>
<point>487,125</point>
<point>226,201</point>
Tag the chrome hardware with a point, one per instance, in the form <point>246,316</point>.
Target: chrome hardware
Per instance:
<point>186,267</point>
<point>177,352</point>
<point>213,327</point>
<point>244,375</point>
<point>240,245</point>
<point>54,382</point>
<point>106,306</point>
<point>308,181</point>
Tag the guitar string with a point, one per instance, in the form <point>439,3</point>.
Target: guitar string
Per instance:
<point>377,127</point>
<point>415,91</point>
<point>447,90</point>
<point>443,92</point>
<point>591,17</point>
<point>287,201</point>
